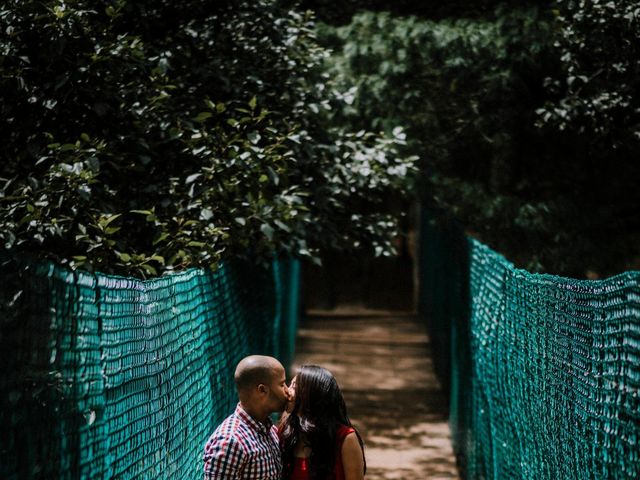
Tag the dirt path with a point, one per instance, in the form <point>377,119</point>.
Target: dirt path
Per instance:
<point>382,362</point>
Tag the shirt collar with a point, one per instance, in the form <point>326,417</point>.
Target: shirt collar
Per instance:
<point>252,422</point>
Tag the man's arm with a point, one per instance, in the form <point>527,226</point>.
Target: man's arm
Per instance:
<point>223,459</point>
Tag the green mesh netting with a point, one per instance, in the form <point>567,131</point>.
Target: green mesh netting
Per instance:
<point>543,371</point>
<point>107,377</point>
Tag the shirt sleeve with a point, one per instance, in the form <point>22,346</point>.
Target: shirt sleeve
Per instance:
<point>223,459</point>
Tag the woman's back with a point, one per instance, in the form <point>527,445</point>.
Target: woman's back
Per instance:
<point>301,464</point>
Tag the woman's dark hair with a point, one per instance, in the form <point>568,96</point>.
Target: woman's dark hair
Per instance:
<point>318,411</point>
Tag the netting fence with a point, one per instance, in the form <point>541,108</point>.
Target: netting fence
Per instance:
<point>543,371</point>
<point>106,377</point>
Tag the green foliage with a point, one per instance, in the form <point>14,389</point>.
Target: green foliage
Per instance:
<point>139,137</point>
<point>596,92</point>
<point>467,91</point>
<point>594,100</point>
<point>340,13</point>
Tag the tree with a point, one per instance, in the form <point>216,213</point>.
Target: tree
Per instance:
<point>341,13</point>
<point>594,99</point>
<point>139,137</point>
<point>465,90</point>
<point>469,93</point>
<point>597,91</point>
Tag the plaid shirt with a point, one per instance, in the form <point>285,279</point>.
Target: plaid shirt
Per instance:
<point>242,448</point>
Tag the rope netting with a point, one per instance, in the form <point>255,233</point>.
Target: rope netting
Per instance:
<point>543,371</point>
<point>107,377</point>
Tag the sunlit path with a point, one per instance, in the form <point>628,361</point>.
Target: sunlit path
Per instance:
<point>383,364</point>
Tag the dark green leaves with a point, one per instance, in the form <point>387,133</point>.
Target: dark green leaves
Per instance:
<point>596,91</point>
<point>175,137</point>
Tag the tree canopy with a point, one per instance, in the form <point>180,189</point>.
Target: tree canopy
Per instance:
<point>144,136</point>
<point>530,158</point>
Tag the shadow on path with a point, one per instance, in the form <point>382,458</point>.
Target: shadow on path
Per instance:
<point>383,365</point>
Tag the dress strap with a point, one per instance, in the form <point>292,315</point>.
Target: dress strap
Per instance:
<point>343,431</point>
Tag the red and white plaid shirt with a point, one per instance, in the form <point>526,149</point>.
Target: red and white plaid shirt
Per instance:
<point>242,448</point>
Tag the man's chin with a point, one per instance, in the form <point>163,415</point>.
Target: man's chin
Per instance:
<point>280,408</point>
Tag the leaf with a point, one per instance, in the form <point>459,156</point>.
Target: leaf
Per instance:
<point>58,11</point>
<point>125,257</point>
<point>254,137</point>
<point>105,220</point>
<point>175,133</point>
<point>273,175</point>
<point>150,214</point>
<point>157,258</point>
<point>267,230</point>
<point>149,269</point>
<point>159,238</point>
<point>282,225</point>
<point>192,178</point>
<point>203,116</point>
<point>206,214</point>
<point>90,417</point>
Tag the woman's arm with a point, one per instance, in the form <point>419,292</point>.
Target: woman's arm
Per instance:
<point>352,459</point>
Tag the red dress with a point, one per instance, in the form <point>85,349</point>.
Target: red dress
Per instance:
<point>301,464</point>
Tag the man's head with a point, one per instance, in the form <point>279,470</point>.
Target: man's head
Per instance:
<point>261,385</point>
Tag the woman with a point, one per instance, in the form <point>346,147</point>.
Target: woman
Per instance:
<point>319,442</point>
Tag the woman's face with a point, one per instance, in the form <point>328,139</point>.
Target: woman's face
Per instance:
<point>292,395</point>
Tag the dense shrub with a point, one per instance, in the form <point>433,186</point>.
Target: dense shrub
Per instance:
<point>468,92</point>
<point>340,13</point>
<point>143,136</point>
<point>597,90</point>
<point>465,90</point>
<point>595,98</point>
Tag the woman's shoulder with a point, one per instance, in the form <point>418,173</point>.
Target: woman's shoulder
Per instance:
<point>343,431</point>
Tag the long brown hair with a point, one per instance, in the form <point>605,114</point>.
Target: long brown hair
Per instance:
<point>318,411</point>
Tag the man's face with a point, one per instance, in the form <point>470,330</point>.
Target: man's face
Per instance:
<point>278,391</point>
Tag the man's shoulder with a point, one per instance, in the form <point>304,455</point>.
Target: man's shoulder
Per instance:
<point>225,453</point>
<point>231,430</point>
<point>231,421</point>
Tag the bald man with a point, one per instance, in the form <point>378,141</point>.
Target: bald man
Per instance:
<point>245,446</point>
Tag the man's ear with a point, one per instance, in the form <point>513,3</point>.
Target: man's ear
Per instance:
<point>262,388</point>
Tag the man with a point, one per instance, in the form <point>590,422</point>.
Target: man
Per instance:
<point>245,446</point>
